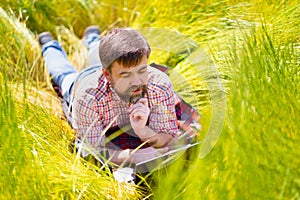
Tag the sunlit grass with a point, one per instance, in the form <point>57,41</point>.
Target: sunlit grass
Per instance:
<point>36,159</point>
<point>39,163</point>
<point>256,154</point>
<point>255,46</point>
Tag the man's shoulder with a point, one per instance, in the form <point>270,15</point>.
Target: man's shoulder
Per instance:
<point>91,73</point>
<point>159,80</point>
<point>89,83</point>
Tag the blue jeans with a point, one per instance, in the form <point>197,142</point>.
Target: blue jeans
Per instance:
<point>62,72</point>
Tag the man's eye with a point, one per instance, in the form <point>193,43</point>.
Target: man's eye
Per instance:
<point>142,71</point>
<point>125,75</point>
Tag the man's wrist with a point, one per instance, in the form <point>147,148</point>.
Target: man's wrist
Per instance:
<point>140,131</point>
<point>144,133</point>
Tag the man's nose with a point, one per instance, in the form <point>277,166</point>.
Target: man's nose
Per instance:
<point>136,80</point>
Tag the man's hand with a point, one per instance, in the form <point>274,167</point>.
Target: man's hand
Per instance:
<point>189,130</point>
<point>135,156</point>
<point>146,154</point>
<point>139,113</point>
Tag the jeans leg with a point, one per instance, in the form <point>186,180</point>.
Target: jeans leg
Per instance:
<point>92,43</point>
<point>61,70</point>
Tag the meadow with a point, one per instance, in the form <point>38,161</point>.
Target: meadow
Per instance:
<point>243,77</point>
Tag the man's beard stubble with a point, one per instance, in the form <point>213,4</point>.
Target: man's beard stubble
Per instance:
<point>133,98</point>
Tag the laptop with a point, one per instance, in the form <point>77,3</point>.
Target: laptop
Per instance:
<point>162,160</point>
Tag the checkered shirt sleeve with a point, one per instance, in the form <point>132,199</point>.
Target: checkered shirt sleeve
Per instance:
<point>161,96</point>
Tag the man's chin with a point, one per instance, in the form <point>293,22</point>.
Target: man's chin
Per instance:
<point>133,96</point>
<point>137,94</point>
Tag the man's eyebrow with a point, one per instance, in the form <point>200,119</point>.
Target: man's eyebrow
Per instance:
<point>143,67</point>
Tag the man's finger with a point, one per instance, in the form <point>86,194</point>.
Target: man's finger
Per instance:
<point>138,113</point>
<point>143,101</point>
<point>141,109</point>
<point>136,106</point>
<point>163,150</point>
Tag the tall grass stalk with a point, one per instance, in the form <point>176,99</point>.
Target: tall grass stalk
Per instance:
<point>36,159</point>
<point>256,154</point>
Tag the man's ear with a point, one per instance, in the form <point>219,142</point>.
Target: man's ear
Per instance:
<point>106,73</point>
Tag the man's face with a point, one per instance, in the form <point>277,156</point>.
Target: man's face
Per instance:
<point>130,83</point>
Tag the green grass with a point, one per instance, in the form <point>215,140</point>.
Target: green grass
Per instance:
<point>255,46</point>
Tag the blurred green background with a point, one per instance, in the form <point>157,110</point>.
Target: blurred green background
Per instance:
<point>255,46</point>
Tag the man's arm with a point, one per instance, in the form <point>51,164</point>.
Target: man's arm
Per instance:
<point>134,156</point>
<point>156,140</point>
<point>162,129</point>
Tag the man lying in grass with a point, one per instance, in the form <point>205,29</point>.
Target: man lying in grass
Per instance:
<point>119,105</point>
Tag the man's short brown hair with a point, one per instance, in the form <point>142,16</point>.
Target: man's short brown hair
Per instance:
<point>123,45</point>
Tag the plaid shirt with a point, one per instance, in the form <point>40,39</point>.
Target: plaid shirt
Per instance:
<point>101,118</point>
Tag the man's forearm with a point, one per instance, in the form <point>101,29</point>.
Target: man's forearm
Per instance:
<point>119,156</point>
<point>134,156</point>
<point>156,140</point>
